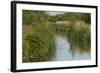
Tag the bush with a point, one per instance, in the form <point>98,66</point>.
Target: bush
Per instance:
<point>38,41</point>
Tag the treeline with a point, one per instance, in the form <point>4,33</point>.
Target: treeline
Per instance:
<point>71,16</point>
<point>29,17</point>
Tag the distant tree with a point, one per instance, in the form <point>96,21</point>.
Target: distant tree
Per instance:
<point>86,17</point>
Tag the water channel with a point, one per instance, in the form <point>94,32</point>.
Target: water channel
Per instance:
<point>64,53</point>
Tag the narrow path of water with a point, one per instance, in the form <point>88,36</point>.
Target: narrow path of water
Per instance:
<point>63,52</point>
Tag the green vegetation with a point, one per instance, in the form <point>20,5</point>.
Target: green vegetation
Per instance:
<point>79,35</point>
<point>39,29</point>
<point>76,27</point>
<point>38,42</point>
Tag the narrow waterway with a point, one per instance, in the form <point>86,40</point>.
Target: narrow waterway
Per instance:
<point>64,53</point>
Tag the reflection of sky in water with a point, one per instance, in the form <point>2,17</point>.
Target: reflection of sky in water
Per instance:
<point>55,12</point>
<point>63,51</point>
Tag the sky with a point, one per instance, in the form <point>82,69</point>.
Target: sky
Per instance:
<point>54,12</point>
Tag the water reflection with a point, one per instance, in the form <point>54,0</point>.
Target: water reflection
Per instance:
<point>64,52</point>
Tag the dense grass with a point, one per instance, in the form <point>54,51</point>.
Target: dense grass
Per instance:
<point>38,42</point>
<point>79,37</point>
<point>37,46</point>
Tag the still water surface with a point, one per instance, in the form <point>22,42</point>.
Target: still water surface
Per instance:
<point>64,53</point>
